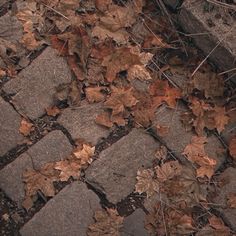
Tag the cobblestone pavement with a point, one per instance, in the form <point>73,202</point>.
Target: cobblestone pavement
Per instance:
<point>71,210</point>
<point>104,183</point>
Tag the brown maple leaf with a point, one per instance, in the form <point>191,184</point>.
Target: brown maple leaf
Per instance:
<point>53,111</point>
<point>231,202</point>
<point>39,180</point>
<point>120,99</point>
<point>104,119</point>
<point>138,72</point>
<point>195,152</point>
<point>232,147</point>
<point>107,222</point>
<point>95,94</point>
<point>26,127</point>
<point>85,154</point>
<point>146,182</point>
<point>68,168</point>
<point>168,170</point>
<point>162,92</point>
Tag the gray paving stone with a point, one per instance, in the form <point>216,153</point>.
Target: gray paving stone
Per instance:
<point>134,224</point>
<point>195,19</point>
<point>178,138</point>
<point>34,89</point>
<point>228,185</point>
<point>114,172</point>
<point>53,147</point>
<point>10,28</point>
<point>9,127</point>
<point>229,132</point>
<point>68,213</point>
<point>80,122</point>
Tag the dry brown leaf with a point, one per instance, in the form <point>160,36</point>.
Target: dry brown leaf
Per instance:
<point>210,83</point>
<point>164,219</point>
<point>168,170</point>
<point>155,40</point>
<point>25,127</point>
<point>85,154</point>
<point>39,180</point>
<point>231,202</point>
<point>107,222</point>
<point>195,152</point>
<point>119,60</point>
<point>219,226</point>
<point>53,111</point>
<point>138,72</point>
<point>232,147</point>
<point>120,36</point>
<point>104,119</point>
<point>68,168</point>
<point>120,99</point>
<point>161,153</point>
<point>162,130</point>
<point>162,92</point>
<point>95,94</point>
<point>146,182</point>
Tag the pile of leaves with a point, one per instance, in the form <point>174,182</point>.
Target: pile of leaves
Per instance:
<point>126,57</point>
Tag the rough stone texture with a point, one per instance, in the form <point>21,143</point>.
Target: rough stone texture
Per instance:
<point>34,89</point>
<point>80,122</point>
<point>172,3</point>
<point>194,19</point>
<point>69,213</point>
<point>53,147</point>
<point>10,28</point>
<point>229,132</point>
<point>227,183</point>
<point>178,138</point>
<point>114,172</point>
<point>134,224</point>
<point>9,128</point>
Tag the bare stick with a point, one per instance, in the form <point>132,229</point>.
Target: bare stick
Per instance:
<point>206,58</point>
<point>59,13</point>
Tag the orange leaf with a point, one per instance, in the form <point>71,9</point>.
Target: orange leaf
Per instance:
<point>52,111</point>
<point>25,127</point>
<point>232,147</point>
<point>104,119</point>
<point>94,94</point>
<point>72,62</point>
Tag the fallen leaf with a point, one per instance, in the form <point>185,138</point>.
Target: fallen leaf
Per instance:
<point>232,147</point>
<point>53,111</point>
<point>161,153</point>
<point>25,127</point>
<point>120,99</point>
<point>120,36</point>
<point>231,202</point>
<point>138,72</point>
<point>210,83</point>
<point>85,154</point>
<point>107,222</point>
<point>218,224</point>
<point>146,183</point>
<point>74,66</point>
<point>195,152</point>
<point>36,180</point>
<point>68,168</point>
<point>162,92</point>
<point>168,170</point>
<point>162,130</point>
<point>95,94</point>
<point>104,119</point>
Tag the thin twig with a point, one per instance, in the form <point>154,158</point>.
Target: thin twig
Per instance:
<point>206,58</point>
<point>59,13</point>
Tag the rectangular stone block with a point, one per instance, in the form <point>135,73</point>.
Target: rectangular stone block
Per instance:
<point>114,172</point>
<point>209,26</point>
<point>80,122</point>
<point>9,127</point>
<point>33,91</point>
<point>70,212</point>
<point>53,147</point>
<point>177,137</point>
